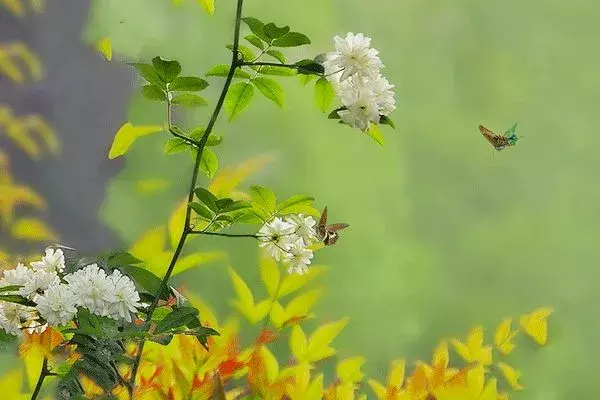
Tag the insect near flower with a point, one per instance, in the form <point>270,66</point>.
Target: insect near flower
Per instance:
<point>328,234</point>
<point>500,142</point>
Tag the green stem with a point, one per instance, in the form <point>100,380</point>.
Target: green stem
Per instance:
<point>43,374</point>
<point>235,63</point>
<point>231,235</point>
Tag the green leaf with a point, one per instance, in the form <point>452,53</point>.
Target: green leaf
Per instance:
<point>128,134</point>
<point>11,288</point>
<point>175,145</point>
<point>295,204</point>
<point>334,114</point>
<point>280,71</point>
<point>238,99</point>
<point>206,197</point>
<point>324,94</point>
<point>375,133</point>
<point>188,84</point>
<point>236,206</point>
<point>122,258</point>
<point>197,134</point>
<point>223,204</point>
<point>13,298</point>
<point>143,278</point>
<point>291,39</point>
<point>214,140</point>
<point>202,333</point>
<point>167,70</point>
<point>189,100</point>
<point>270,89</point>
<point>148,72</point>
<point>153,93</point>
<point>202,210</point>
<point>257,27</point>
<point>384,120</point>
<point>209,163</point>
<point>255,41</point>
<point>310,67</point>
<point>306,79</point>
<point>277,55</point>
<point>264,198</point>
<point>223,70</point>
<point>176,319</point>
<point>248,54</point>
<point>273,32</point>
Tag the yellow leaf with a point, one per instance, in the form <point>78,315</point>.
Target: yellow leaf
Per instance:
<point>196,260</point>
<point>511,375</point>
<point>301,305</point>
<point>260,311</point>
<point>228,179</point>
<point>379,390</point>
<point>315,389</point>
<point>148,186</point>
<point>277,315</point>
<point>33,229</point>
<point>151,243</point>
<point>209,6</point>
<point>104,46</point>
<point>269,273</point>
<point>474,350</point>
<point>375,133</point>
<point>298,343</point>
<point>294,282</point>
<point>535,324</point>
<point>245,302</point>
<point>176,222</point>
<point>128,134</point>
<point>271,364</point>
<point>349,371</point>
<point>14,6</point>
<point>440,355</point>
<point>318,344</point>
<point>504,336</point>
<point>490,392</point>
<point>12,383</point>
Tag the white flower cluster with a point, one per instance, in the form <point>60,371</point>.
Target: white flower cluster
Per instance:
<point>55,297</point>
<point>289,239</point>
<point>354,70</point>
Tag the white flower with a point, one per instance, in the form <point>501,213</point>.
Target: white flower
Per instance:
<point>361,106</point>
<point>57,305</point>
<point>53,261</point>
<point>304,227</point>
<point>38,282</point>
<point>384,95</point>
<point>125,298</point>
<point>18,276</point>
<point>353,56</point>
<point>179,298</point>
<point>276,237</point>
<point>298,257</point>
<point>92,288</point>
<point>13,316</point>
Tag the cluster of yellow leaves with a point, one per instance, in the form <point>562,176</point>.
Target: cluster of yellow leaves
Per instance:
<point>23,130</point>
<point>14,57</point>
<point>208,5</point>
<point>19,7</point>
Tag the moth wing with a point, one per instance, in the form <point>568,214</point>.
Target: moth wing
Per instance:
<point>323,219</point>
<point>499,142</point>
<point>337,227</point>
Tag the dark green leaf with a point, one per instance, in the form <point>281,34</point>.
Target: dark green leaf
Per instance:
<point>202,210</point>
<point>324,94</point>
<point>236,206</point>
<point>206,197</point>
<point>11,288</point>
<point>188,84</point>
<point>161,339</point>
<point>270,89</point>
<point>280,71</point>
<point>7,341</point>
<point>277,55</point>
<point>153,93</point>
<point>190,100</point>
<point>223,70</point>
<point>123,258</point>
<point>255,41</point>
<point>310,67</point>
<point>167,70</point>
<point>384,120</point>
<point>257,27</point>
<point>144,279</point>
<point>291,39</point>
<point>13,298</point>
<point>238,99</point>
<point>263,197</point>
<point>209,163</point>
<point>334,114</point>
<point>99,372</point>
<point>223,204</point>
<point>175,145</point>
<point>176,319</point>
<point>148,72</point>
<point>202,333</point>
<point>273,32</point>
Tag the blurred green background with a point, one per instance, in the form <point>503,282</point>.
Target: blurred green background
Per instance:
<point>445,232</point>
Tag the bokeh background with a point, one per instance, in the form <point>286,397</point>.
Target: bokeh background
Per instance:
<point>445,232</point>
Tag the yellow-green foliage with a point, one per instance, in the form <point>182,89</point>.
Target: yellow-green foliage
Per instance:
<point>21,7</point>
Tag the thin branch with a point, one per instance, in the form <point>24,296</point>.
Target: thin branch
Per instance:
<point>269,64</point>
<point>43,374</point>
<point>231,235</point>
<point>235,63</point>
